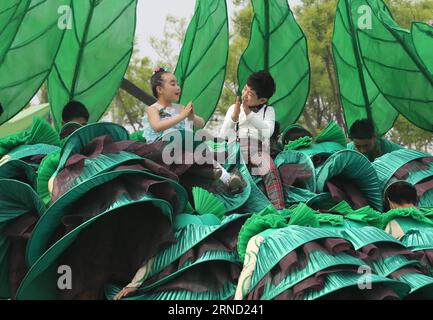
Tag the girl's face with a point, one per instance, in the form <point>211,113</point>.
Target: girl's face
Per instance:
<point>170,89</point>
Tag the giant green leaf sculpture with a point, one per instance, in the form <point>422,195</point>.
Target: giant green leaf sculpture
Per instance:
<point>93,57</point>
<point>11,14</point>
<point>202,64</point>
<point>390,57</point>
<point>359,95</point>
<point>29,41</point>
<point>422,36</point>
<point>278,45</point>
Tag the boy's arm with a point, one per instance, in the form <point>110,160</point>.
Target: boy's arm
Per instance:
<point>267,125</point>
<point>228,128</point>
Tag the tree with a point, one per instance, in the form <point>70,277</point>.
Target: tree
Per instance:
<point>125,109</point>
<point>168,47</point>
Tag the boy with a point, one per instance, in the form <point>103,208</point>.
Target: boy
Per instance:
<point>252,124</point>
<point>365,141</point>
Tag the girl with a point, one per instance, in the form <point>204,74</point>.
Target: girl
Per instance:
<point>164,117</point>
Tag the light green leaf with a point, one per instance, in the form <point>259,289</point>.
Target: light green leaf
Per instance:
<point>30,39</point>
<point>202,64</point>
<point>390,57</point>
<point>359,95</point>
<point>93,57</point>
<point>278,45</point>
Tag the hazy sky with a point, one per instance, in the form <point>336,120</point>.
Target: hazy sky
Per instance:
<point>151,19</point>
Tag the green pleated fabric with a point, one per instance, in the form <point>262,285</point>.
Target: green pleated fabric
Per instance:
<point>48,223</point>
<point>251,199</point>
<point>323,148</point>
<point>332,133</point>
<point>207,203</point>
<point>294,195</point>
<point>257,223</point>
<point>83,136</point>
<point>368,235</point>
<point>40,133</point>
<point>18,170</point>
<point>102,164</point>
<point>278,243</point>
<point>359,95</point>
<point>40,282</point>
<point>226,293</point>
<point>317,261</point>
<point>190,231</point>
<point>293,157</point>
<point>46,170</point>
<point>321,201</point>
<point>418,239</point>
<point>387,165</point>
<point>137,135</point>
<point>278,45</point>
<point>343,280</point>
<point>205,258</point>
<point>420,284</point>
<point>354,166</point>
<point>408,218</point>
<point>80,72</point>
<point>26,151</point>
<point>202,64</point>
<point>16,199</point>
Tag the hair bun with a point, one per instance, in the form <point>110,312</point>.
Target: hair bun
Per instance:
<point>158,70</point>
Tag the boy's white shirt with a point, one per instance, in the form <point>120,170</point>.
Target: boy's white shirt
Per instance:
<point>256,125</point>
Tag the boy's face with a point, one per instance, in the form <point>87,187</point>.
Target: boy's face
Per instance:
<point>365,146</point>
<point>170,90</point>
<point>249,97</point>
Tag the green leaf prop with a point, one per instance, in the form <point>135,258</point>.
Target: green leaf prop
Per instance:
<point>11,14</point>
<point>422,36</point>
<point>93,57</point>
<point>202,64</point>
<point>278,45</point>
<point>29,42</point>
<point>392,62</point>
<point>359,95</point>
<point>205,203</point>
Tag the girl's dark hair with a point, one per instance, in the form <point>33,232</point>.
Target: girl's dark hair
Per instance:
<point>157,81</point>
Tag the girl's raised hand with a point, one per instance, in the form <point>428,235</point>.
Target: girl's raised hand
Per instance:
<point>191,114</point>
<point>187,110</point>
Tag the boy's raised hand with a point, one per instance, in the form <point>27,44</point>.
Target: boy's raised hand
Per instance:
<point>191,114</point>
<point>237,110</point>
